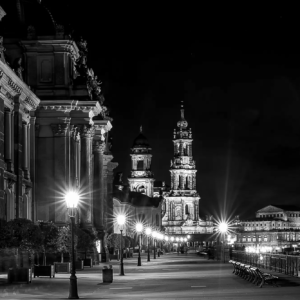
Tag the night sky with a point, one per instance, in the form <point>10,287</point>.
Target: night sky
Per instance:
<point>238,74</point>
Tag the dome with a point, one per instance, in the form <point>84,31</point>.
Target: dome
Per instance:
<point>140,141</point>
<point>24,13</point>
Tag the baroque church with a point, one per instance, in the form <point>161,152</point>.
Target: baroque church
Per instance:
<point>54,126</point>
<point>180,208</point>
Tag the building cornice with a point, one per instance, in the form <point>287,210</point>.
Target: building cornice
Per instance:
<point>12,86</point>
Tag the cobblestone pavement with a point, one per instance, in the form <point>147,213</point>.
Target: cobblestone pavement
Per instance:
<point>169,277</point>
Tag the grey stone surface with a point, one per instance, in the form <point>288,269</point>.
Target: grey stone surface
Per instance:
<point>168,277</point>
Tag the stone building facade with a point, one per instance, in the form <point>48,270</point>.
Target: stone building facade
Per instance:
<point>137,200</point>
<point>180,207</point>
<point>275,228</point>
<point>54,126</point>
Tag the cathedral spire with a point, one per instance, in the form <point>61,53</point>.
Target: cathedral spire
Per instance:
<point>141,129</point>
<point>182,124</point>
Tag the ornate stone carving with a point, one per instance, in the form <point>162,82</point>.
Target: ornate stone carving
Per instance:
<point>30,102</point>
<point>99,146</point>
<point>17,67</point>
<point>2,13</point>
<point>2,49</point>
<point>31,32</point>
<point>59,31</point>
<point>86,131</point>
<point>60,129</point>
<point>14,86</point>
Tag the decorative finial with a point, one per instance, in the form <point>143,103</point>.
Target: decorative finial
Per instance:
<point>182,123</point>
<point>141,129</point>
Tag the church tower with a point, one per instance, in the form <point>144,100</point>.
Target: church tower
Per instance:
<point>181,205</point>
<point>141,178</point>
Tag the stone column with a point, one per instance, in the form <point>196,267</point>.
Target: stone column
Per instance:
<point>17,149</point>
<point>172,181</point>
<point>2,170</point>
<point>86,173</point>
<point>110,177</point>
<point>181,181</point>
<point>176,181</point>
<point>32,166</point>
<point>62,176</point>
<point>25,150</point>
<point>8,141</point>
<point>98,149</point>
<point>194,181</point>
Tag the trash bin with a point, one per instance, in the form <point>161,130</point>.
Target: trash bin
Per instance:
<point>107,274</point>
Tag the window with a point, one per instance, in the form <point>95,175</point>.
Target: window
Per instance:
<point>249,238</point>
<point>265,238</point>
<point>140,165</point>
<point>157,220</point>
<point>259,238</point>
<point>254,239</point>
<point>186,209</point>
<point>244,239</point>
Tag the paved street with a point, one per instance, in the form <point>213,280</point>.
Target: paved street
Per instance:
<point>168,277</point>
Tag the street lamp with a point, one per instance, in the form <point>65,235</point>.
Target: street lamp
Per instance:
<point>159,237</point>
<point>72,199</point>
<point>121,219</point>
<point>154,235</point>
<point>139,228</point>
<point>148,233</point>
<point>223,229</point>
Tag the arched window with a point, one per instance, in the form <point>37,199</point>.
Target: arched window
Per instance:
<point>140,165</point>
<point>186,209</point>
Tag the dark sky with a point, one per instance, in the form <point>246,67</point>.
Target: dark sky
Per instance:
<point>237,71</point>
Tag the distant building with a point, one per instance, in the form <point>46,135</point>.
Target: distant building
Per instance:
<point>275,228</point>
<point>180,207</point>
<point>137,199</point>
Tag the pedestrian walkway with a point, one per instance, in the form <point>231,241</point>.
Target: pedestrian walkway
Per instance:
<point>168,277</point>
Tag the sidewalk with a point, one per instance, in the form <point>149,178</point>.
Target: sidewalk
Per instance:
<point>170,276</point>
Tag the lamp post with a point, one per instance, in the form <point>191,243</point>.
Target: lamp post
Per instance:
<point>139,228</point>
<point>177,240</point>
<point>121,219</point>
<point>72,199</point>
<point>223,228</point>
<point>159,237</point>
<point>148,232</point>
<point>154,234</point>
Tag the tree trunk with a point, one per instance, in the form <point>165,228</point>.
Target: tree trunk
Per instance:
<point>62,257</point>
<point>17,258</point>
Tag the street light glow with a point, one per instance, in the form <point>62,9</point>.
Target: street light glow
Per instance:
<point>154,234</point>
<point>223,227</point>
<point>148,231</point>
<point>139,227</point>
<point>172,238</point>
<point>121,219</point>
<point>72,199</point>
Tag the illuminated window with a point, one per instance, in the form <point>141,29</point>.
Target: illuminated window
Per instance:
<point>259,238</point>
<point>265,238</point>
<point>249,238</point>
<point>244,239</point>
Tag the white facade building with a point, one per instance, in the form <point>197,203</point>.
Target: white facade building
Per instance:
<point>180,207</point>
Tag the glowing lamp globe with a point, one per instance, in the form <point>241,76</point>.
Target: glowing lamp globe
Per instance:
<point>166,238</point>
<point>188,236</point>
<point>72,199</point>
<point>139,227</point>
<point>172,238</point>
<point>185,239</point>
<point>154,234</point>
<point>148,231</point>
<point>121,219</point>
<point>177,239</point>
<point>223,227</point>
<point>181,239</point>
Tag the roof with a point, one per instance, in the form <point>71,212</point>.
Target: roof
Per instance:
<point>287,207</point>
<point>140,141</point>
<point>136,199</point>
<point>33,12</point>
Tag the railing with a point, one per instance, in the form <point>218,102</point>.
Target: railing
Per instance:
<point>287,264</point>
